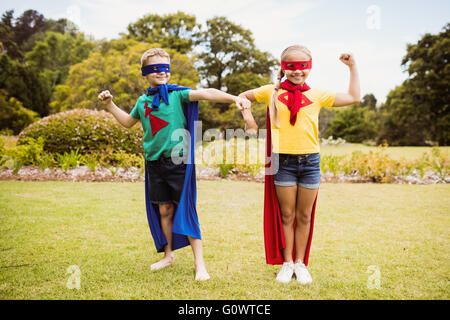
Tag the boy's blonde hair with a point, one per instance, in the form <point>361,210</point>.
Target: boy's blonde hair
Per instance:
<point>273,108</point>
<point>153,52</point>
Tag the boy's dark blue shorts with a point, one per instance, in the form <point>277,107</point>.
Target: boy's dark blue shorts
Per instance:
<point>166,180</point>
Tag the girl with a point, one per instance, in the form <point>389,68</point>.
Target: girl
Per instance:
<point>292,145</point>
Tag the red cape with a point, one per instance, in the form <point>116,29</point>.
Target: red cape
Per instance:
<point>273,231</point>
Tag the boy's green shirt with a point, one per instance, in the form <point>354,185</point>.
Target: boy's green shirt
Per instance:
<point>161,144</point>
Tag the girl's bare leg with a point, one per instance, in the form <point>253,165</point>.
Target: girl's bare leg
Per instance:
<point>305,202</point>
<point>287,200</point>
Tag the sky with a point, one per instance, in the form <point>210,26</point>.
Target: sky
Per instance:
<point>375,32</point>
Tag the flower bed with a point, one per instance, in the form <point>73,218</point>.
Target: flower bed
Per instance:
<point>232,160</point>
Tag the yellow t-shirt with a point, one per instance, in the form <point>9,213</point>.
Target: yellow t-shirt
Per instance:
<point>303,137</point>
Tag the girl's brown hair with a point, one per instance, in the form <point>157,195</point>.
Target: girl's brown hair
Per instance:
<point>273,107</point>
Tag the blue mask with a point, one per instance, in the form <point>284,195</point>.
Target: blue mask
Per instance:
<point>155,68</point>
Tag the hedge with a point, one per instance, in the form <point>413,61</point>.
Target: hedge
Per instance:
<point>88,131</point>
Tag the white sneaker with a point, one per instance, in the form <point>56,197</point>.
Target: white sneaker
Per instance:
<point>301,273</point>
<point>286,272</point>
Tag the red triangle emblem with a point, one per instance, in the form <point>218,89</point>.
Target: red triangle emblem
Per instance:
<point>284,98</point>
<point>156,123</point>
<point>305,101</point>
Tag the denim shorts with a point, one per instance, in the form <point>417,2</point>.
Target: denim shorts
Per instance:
<point>301,170</point>
<point>166,180</point>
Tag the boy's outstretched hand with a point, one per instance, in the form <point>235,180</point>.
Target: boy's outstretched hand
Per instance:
<point>105,97</point>
<point>243,103</point>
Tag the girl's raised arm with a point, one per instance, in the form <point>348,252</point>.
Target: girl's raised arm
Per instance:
<point>353,94</point>
<point>248,95</point>
<point>250,123</point>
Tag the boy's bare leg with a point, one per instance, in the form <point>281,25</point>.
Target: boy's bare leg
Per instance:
<point>250,124</point>
<point>200,267</point>
<point>166,211</point>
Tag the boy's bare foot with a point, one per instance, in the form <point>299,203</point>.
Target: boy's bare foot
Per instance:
<point>164,262</point>
<point>200,273</point>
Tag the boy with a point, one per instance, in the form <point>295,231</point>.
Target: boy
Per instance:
<point>170,187</point>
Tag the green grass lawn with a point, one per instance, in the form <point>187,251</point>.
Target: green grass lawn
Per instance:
<point>403,230</point>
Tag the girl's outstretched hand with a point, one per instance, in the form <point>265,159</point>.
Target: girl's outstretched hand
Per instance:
<point>243,103</point>
<point>347,59</point>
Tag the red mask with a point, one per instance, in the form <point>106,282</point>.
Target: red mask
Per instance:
<point>296,65</point>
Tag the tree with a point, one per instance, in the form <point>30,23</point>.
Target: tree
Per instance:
<point>36,54</point>
<point>229,51</point>
<point>230,61</point>
<point>353,123</point>
<point>370,101</point>
<point>54,55</point>
<point>115,66</point>
<point>175,31</point>
<point>24,83</point>
<point>29,23</point>
<point>356,123</point>
<point>47,65</point>
<point>13,115</point>
<point>418,111</point>
<point>7,35</point>
<point>60,26</point>
<point>14,34</point>
<point>402,124</point>
<point>20,35</point>
<point>326,115</point>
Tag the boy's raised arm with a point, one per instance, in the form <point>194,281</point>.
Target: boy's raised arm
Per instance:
<point>121,116</point>
<point>215,95</point>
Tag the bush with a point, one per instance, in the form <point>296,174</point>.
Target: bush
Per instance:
<point>2,151</point>
<point>14,116</point>
<point>330,141</point>
<point>434,161</point>
<point>69,160</point>
<point>88,131</point>
<point>126,160</point>
<point>379,167</point>
<point>28,153</point>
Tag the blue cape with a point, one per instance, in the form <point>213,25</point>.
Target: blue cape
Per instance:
<point>185,221</point>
